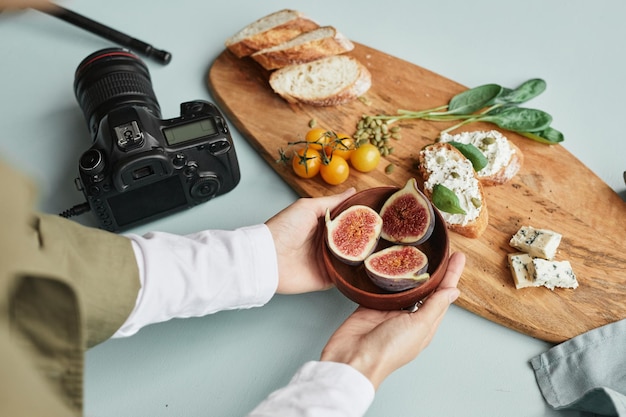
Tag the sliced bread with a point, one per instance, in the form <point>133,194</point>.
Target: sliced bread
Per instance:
<point>268,31</point>
<point>306,47</point>
<point>504,158</point>
<point>441,163</point>
<point>329,81</point>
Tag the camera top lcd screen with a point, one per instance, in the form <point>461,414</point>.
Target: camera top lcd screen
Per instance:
<point>189,131</point>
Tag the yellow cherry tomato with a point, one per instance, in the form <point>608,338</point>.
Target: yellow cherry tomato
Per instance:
<point>342,146</point>
<point>318,138</point>
<point>306,163</point>
<point>335,171</point>
<point>365,158</point>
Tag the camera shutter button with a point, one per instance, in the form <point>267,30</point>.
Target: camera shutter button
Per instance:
<point>192,169</point>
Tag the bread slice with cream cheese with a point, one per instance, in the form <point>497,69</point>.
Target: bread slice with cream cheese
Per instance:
<point>441,163</point>
<point>504,158</point>
<point>328,81</point>
<point>268,31</point>
<point>306,47</point>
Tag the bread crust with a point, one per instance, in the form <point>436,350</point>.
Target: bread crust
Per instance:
<point>290,23</point>
<point>474,228</point>
<point>301,49</point>
<point>507,172</point>
<point>350,91</point>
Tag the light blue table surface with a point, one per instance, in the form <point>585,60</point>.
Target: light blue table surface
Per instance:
<point>224,364</point>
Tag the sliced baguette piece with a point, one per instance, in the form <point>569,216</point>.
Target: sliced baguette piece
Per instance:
<point>441,163</point>
<point>268,31</point>
<point>504,157</point>
<point>329,81</point>
<point>306,47</point>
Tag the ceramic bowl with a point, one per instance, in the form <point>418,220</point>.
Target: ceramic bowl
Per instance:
<point>353,281</point>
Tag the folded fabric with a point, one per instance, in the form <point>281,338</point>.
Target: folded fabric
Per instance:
<point>586,373</point>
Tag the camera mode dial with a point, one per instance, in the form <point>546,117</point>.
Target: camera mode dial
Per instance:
<point>91,163</point>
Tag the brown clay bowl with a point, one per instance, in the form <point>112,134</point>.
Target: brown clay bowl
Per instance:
<point>353,281</point>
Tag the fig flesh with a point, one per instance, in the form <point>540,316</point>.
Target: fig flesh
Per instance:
<point>408,216</point>
<point>397,268</point>
<point>353,235</point>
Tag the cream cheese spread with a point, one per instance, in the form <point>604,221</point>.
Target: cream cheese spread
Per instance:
<point>492,144</point>
<point>456,173</point>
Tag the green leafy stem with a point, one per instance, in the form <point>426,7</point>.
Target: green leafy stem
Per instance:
<point>495,104</point>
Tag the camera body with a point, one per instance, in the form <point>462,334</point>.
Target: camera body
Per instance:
<point>140,167</point>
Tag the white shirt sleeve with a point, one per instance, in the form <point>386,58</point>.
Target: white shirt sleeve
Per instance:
<point>320,389</point>
<point>201,273</point>
<point>213,270</point>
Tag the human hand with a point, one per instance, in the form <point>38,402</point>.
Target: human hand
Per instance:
<point>298,246</point>
<point>23,4</point>
<point>376,343</point>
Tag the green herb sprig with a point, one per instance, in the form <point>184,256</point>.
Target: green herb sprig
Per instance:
<point>490,103</point>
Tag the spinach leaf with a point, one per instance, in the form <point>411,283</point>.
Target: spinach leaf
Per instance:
<point>519,119</point>
<point>548,136</point>
<point>526,91</point>
<point>489,103</point>
<point>473,99</point>
<point>471,152</point>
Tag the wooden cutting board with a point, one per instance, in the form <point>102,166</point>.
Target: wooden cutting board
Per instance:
<point>553,190</point>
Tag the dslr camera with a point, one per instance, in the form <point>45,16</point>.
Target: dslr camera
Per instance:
<point>141,167</point>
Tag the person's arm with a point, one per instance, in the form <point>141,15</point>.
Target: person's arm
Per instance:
<point>359,356</point>
<point>366,348</point>
<point>213,270</point>
<point>201,273</point>
<point>99,266</point>
<point>320,389</point>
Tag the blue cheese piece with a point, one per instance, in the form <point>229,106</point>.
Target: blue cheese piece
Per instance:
<point>520,264</point>
<point>538,243</point>
<point>552,274</point>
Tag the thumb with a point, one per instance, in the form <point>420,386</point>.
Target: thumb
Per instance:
<point>437,304</point>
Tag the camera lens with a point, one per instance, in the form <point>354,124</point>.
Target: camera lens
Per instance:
<point>111,78</point>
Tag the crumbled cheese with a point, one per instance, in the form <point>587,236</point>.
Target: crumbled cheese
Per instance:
<point>540,243</point>
<point>497,151</point>
<point>519,264</point>
<point>553,274</point>
<point>457,174</point>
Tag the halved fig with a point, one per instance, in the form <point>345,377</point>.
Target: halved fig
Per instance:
<point>408,216</point>
<point>397,268</point>
<point>352,235</point>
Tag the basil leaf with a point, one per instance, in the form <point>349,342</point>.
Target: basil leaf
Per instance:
<point>445,200</point>
<point>471,152</point>
<point>473,99</point>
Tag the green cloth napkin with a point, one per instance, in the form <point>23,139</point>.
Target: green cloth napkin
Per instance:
<point>586,373</point>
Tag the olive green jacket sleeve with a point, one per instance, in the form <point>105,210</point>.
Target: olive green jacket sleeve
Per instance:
<point>63,287</point>
<point>100,266</point>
